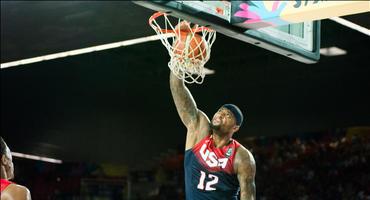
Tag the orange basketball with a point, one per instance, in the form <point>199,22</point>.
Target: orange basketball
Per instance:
<point>190,46</point>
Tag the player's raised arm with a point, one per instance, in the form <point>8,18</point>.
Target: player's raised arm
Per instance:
<point>184,101</point>
<point>246,170</point>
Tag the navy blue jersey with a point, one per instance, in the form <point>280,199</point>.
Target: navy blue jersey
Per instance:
<point>209,171</point>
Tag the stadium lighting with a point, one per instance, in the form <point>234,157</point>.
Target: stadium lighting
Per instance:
<point>33,157</point>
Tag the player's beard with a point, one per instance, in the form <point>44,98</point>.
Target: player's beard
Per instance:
<point>215,127</point>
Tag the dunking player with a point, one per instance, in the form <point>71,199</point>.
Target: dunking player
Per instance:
<point>10,190</point>
<point>216,166</point>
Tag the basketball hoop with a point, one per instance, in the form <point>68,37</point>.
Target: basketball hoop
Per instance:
<point>188,46</point>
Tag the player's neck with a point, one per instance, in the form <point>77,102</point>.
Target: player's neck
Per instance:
<point>220,141</point>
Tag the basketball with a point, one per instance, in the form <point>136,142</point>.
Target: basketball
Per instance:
<point>190,45</point>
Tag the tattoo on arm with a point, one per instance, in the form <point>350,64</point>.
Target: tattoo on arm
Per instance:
<point>185,104</point>
<point>249,190</point>
<point>246,174</point>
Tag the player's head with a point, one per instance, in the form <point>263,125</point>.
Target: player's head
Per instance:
<point>7,168</point>
<point>227,119</point>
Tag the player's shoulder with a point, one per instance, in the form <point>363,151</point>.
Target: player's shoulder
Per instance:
<point>244,162</point>
<point>243,155</point>
<point>18,191</point>
<point>203,118</point>
<point>197,131</point>
<point>201,122</point>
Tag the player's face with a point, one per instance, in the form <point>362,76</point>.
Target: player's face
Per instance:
<point>223,120</point>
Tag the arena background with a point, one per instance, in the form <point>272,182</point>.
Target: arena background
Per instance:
<point>109,115</point>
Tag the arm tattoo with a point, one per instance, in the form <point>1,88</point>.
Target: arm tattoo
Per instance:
<point>246,174</point>
<point>185,104</point>
<point>249,190</point>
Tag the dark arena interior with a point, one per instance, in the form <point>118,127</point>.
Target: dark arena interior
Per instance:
<point>109,120</point>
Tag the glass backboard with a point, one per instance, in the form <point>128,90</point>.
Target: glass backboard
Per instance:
<point>299,41</point>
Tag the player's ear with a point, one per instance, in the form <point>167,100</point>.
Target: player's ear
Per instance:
<point>236,128</point>
<point>3,160</point>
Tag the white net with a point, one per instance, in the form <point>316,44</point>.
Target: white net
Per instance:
<point>188,45</point>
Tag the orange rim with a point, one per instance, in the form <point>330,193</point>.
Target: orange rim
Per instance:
<point>196,30</point>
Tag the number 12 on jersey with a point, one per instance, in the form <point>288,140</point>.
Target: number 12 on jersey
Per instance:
<point>208,184</point>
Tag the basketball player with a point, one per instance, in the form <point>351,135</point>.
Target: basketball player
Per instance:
<point>216,166</point>
<point>10,190</point>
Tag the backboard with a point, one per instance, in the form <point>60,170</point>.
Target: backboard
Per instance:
<point>299,41</point>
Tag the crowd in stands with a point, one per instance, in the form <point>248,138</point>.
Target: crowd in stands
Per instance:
<point>324,168</point>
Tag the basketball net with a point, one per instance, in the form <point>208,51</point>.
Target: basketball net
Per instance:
<point>184,64</point>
